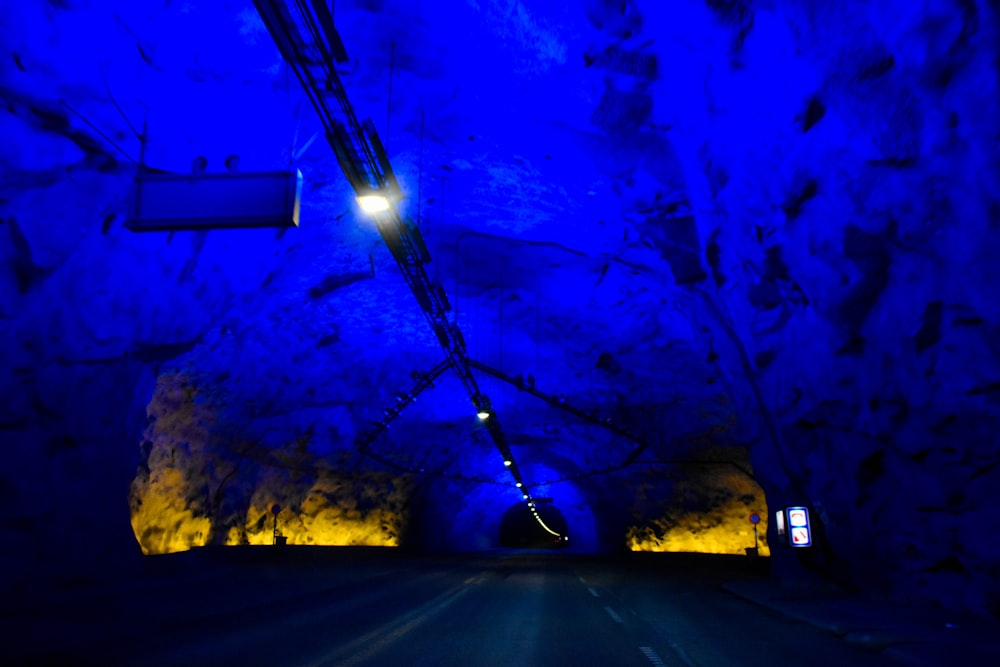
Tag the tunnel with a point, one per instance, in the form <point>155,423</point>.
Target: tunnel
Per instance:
<point>633,274</point>
<point>542,526</point>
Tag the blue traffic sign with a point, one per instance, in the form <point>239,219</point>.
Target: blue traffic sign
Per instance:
<point>799,531</point>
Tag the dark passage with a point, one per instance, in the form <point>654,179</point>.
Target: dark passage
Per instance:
<point>519,529</point>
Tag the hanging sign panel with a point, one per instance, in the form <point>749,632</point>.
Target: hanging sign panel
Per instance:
<point>182,202</point>
<point>799,531</point>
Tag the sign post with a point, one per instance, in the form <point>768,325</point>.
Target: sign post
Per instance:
<point>275,510</point>
<point>755,519</point>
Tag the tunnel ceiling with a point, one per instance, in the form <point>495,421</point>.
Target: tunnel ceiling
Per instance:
<point>533,155</point>
<point>732,222</point>
<point>545,194</point>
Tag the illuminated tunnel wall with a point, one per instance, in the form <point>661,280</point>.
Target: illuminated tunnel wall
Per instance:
<point>721,227</point>
<point>707,508</point>
<point>199,484</point>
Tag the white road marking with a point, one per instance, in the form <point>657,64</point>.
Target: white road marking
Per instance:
<point>652,656</point>
<point>364,648</point>
<point>614,615</point>
<point>593,592</point>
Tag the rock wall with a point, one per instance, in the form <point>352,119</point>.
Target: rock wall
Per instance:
<point>200,481</point>
<point>757,223</point>
<point>702,506</point>
<point>852,290</point>
<point>88,311</point>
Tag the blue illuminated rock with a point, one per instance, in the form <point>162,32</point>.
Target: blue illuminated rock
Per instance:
<point>762,228</point>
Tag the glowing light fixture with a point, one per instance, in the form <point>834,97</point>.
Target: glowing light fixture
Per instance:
<point>484,415</point>
<point>526,496</point>
<point>547,529</point>
<point>508,462</point>
<point>373,203</point>
<point>519,485</point>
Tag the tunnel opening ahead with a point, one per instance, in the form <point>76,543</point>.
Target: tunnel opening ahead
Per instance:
<point>520,530</point>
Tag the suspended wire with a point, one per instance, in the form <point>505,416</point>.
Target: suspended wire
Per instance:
<point>114,101</point>
<point>437,266</point>
<point>103,136</point>
<point>293,112</point>
<point>388,103</point>
<point>538,321</point>
<point>420,173</point>
<point>500,325</point>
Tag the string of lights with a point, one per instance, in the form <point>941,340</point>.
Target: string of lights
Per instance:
<point>422,382</point>
<point>561,403</point>
<point>304,33</point>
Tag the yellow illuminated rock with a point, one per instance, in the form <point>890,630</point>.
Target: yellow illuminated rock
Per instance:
<point>722,530</point>
<point>327,514</point>
<point>198,487</point>
<point>162,521</point>
<point>708,513</point>
<point>169,512</point>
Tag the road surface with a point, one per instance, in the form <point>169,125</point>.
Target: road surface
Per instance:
<point>504,610</point>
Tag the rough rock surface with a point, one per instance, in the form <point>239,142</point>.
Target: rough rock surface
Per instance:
<point>752,225</point>
<point>202,482</point>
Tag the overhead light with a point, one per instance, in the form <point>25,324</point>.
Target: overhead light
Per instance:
<point>519,485</point>
<point>484,415</point>
<point>373,203</point>
<point>508,462</point>
<point>526,496</point>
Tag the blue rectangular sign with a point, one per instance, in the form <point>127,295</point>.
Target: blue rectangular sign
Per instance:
<point>799,531</point>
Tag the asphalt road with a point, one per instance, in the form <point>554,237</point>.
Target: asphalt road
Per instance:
<point>505,610</point>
